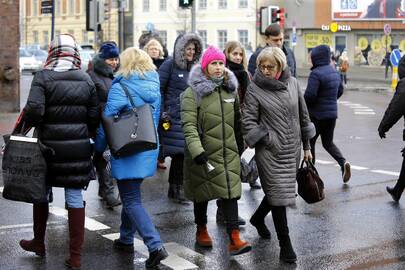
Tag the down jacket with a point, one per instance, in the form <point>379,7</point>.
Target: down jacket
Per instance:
<point>275,120</point>
<point>324,86</point>
<point>210,117</point>
<point>173,74</point>
<point>64,108</point>
<point>143,89</point>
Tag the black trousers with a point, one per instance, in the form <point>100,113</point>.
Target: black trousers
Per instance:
<point>161,156</point>
<point>325,129</point>
<point>176,170</point>
<point>229,208</point>
<point>400,185</point>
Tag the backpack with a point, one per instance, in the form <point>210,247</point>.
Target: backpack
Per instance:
<point>344,66</point>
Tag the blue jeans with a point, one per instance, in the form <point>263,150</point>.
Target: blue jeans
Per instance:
<point>134,217</point>
<point>74,197</point>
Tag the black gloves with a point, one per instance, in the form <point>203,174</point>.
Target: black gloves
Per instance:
<point>201,159</point>
<point>382,134</point>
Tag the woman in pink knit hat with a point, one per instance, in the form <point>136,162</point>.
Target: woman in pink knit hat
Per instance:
<point>210,118</point>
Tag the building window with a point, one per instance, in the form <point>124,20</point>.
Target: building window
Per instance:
<point>145,5</point>
<point>243,3</point>
<point>57,7</point>
<point>85,37</point>
<point>35,34</point>
<point>35,8</point>
<point>202,4</point>
<point>45,35</point>
<point>64,6</point>
<point>27,7</point>
<point>222,4</point>
<point>162,5</point>
<point>71,7</point>
<point>222,38</point>
<point>77,11</point>
<point>203,35</point>
<point>163,35</point>
<point>243,37</point>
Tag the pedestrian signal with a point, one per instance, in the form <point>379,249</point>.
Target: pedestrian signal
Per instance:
<point>185,3</point>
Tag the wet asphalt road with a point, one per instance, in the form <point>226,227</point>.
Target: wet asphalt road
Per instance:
<point>357,226</point>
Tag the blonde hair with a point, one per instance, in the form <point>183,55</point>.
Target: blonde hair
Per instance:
<point>274,55</point>
<point>154,42</point>
<point>231,46</point>
<point>134,60</point>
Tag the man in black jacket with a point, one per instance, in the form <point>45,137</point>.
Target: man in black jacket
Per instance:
<point>274,37</point>
<point>394,112</point>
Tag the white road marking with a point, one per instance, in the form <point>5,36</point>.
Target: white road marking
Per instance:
<point>89,223</point>
<point>325,162</point>
<point>365,113</point>
<point>344,102</point>
<point>173,261</point>
<point>1,189</point>
<point>363,110</point>
<point>386,172</point>
<point>359,107</point>
<point>354,167</point>
<point>6,227</point>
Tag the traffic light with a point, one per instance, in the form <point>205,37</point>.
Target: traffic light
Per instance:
<point>185,3</point>
<point>277,15</point>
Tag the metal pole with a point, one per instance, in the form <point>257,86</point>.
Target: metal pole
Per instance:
<point>53,20</point>
<point>95,10</point>
<point>121,24</point>
<point>193,19</point>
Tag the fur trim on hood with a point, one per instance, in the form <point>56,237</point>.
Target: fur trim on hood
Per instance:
<point>203,86</point>
<point>180,47</point>
<point>100,67</point>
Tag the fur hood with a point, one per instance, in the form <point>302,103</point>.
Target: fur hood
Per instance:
<point>100,67</point>
<point>203,86</point>
<point>180,47</point>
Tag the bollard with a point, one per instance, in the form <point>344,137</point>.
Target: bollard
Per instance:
<point>394,77</point>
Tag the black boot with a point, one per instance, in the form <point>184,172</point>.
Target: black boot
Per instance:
<point>395,196</point>
<point>258,217</point>
<point>155,257</point>
<point>287,253</point>
<point>172,191</point>
<point>179,195</point>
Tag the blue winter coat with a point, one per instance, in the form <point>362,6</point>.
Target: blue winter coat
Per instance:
<point>288,53</point>
<point>143,90</point>
<point>324,86</point>
<point>173,75</point>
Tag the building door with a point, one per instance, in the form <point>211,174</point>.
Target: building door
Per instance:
<point>340,44</point>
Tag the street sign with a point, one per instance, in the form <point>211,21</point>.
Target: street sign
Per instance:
<point>387,29</point>
<point>46,6</point>
<point>395,57</point>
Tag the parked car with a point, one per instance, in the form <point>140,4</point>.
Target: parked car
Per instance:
<point>28,61</point>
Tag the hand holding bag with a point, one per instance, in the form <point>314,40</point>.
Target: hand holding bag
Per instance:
<point>132,131</point>
<point>310,185</point>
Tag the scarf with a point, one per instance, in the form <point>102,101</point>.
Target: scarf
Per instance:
<point>218,81</point>
<point>63,54</point>
<point>242,76</point>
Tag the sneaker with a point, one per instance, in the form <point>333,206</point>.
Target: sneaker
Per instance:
<point>346,172</point>
<point>117,244</point>
<point>155,257</point>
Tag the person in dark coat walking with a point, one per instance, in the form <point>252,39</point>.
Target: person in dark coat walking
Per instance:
<point>275,122</point>
<point>173,74</point>
<point>274,37</point>
<point>63,107</point>
<point>323,90</point>
<point>394,112</point>
<point>104,65</point>
<point>155,50</point>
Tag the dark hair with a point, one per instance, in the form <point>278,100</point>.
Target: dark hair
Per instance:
<point>273,29</point>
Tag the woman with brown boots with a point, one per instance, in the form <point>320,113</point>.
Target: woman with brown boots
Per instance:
<point>63,107</point>
<point>210,119</point>
<point>275,121</point>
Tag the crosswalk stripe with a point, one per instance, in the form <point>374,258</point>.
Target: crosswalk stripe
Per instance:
<point>386,172</point>
<point>325,162</point>
<point>365,113</point>
<point>1,189</point>
<point>363,110</point>
<point>174,261</point>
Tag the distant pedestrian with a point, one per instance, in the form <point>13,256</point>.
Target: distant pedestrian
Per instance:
<point>394,112</point>
<point>104,64</point>
<point>388,64</point>
<point>274,37</point>
<point>343,64</point>
<point>146,37</point>
<point>63,107</point>
<point>136,73</point>
<point>275,121</point>
<point>210,118</point>
<point>323,90</point>
<point>173,74</point>
<point>155,51</point>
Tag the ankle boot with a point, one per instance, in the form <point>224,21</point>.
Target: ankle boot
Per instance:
<point>172,191</point>
<point>202,237</point>
<point>287,253</point>
<point>76,232</point>
<point>395,196</point>
<point>257,220</point>
<point>236,245</point>
<point>179,195</point>
<point>40,217</point>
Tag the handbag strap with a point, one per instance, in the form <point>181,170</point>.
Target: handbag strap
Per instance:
<point>129,96</point>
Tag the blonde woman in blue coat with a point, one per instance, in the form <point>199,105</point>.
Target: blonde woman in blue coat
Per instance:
<point>137,73</point>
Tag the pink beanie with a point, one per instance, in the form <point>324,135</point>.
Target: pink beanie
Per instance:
<point>211,53</point>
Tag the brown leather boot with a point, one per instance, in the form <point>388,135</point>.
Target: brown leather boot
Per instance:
<point>236,245</point>
<point>40,216</point>
<point>202,237</point>
<point>76,234</point>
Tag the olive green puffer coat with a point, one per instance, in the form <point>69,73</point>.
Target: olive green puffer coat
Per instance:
<point>209,114</point>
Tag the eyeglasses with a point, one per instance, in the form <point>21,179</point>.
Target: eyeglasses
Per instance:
<point>269,67</point>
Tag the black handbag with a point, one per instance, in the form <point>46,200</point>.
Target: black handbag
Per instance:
<point>24,168</point>
<point>310,185</point>
<point>132,131</point>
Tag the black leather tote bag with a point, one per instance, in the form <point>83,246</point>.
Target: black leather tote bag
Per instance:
<point>310,185</point>
<point>130,132</point>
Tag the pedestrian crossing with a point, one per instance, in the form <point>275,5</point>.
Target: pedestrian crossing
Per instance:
<point>358,109</point>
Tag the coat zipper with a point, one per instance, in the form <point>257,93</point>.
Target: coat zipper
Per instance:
<point>224,145</point>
